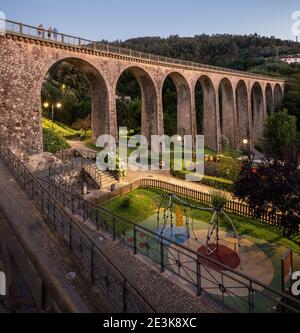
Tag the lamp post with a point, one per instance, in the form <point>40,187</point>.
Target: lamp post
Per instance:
<point>57,105</point>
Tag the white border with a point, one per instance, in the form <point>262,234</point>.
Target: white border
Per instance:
<point>2,23</point>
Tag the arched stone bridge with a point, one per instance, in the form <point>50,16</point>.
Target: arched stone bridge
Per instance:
<point>27,55</point>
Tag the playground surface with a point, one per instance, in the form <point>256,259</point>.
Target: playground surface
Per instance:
<point>258,259</point>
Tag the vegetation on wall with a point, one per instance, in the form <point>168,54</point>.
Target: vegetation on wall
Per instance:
<point>53,142</point>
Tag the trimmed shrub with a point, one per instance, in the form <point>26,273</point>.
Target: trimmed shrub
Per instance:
<point>217,183</point>
<point>53,142</point>
<point>219,199</point>
<point>127,202</point>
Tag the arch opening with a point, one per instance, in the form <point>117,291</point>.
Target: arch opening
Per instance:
<point>129,103</point>
<point>169,100</point>
<point>75,94</point>
<point>144,93</point>
<point>269,100</point>
<point>257,111</point>
<point>242,103</point>
<point>199,107</point>
<point>207,114</point>
<point>226,109</point>
<point>278,97</point>
<point>175,87</point>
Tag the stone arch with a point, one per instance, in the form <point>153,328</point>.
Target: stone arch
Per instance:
<point>269,99</point>
<point>149,114</point>
<point>242,104</point>
<point>210,123</point>
<point>258,109</point>
<point>184,103</point>
<point>278,96</point>
<point>227,115</point>
<point>100,117</point>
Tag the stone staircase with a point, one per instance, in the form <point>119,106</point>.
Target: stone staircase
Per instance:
<point>108,180</point>
<point>104,179</point>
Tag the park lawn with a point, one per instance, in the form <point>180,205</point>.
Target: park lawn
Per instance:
<point>144,204</point>
<point>59,129</point>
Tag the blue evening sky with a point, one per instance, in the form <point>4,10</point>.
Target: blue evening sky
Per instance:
<point>122,19</point>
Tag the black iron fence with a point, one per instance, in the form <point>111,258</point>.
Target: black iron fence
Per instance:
<point>56,37</point>
<point>96,266</point>
<point>204,276</point>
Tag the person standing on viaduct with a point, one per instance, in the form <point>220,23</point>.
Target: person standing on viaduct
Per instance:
<point>55,32</point>
<point>41,31</point>
<point>50,33</point>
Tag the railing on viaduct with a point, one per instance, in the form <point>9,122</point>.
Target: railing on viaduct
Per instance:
<point>43,34</point>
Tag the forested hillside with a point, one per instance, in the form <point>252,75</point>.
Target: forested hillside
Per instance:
<point>232,51</point>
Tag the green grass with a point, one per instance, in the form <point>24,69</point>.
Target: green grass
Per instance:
<point>144,204</point>
<point>53,142</point>
<point>60,129</point>
<point>210,152</point>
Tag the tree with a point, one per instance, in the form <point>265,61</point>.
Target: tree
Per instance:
<point>83,124</point>
<point>280,136</point>
<point>275,185</point>
<point>228,168</point>
<point>291,100</point>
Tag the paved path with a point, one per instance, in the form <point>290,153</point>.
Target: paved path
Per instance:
<point>167,177</point>
<point>79,145</point>
<point>160,175</point>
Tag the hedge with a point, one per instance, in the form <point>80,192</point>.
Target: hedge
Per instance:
<point>218,183</point>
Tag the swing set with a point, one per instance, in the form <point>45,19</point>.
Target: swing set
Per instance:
<point>179,226</point>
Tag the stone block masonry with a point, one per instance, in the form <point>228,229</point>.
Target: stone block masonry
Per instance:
<point>25,62</point>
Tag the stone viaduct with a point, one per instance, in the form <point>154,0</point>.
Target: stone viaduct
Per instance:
<point>27,55</point>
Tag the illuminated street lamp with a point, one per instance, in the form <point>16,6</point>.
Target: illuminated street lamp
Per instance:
<point>245,144</point>
<point>57,105</point>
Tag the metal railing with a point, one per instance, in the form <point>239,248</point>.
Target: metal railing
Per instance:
<point>94,263</point>
<point>233,289</point>
<point>94,173</point>
<point>74,163</point>
<point>42,34</point>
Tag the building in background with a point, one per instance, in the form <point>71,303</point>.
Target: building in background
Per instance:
<point>291,59</point>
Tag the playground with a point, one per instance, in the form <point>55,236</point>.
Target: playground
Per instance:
<point>226,244</point>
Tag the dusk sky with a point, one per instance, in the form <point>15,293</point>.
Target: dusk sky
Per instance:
<point>119,19</point>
